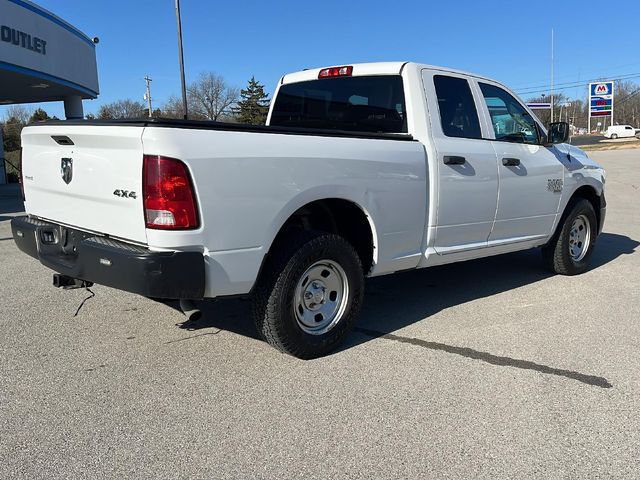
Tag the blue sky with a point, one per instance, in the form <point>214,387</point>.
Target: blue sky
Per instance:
<point>509,41</point>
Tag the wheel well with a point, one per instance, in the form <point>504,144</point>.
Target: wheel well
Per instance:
<point>589,193</point>
<point>338,216</point>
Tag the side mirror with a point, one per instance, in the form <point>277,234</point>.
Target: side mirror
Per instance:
<point>558,133</point>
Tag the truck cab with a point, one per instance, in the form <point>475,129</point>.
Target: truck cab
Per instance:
<point>495,182</point>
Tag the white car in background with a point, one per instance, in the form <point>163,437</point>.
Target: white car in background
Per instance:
<point>620,131</point>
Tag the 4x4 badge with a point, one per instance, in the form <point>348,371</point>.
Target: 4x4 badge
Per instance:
<point>125,194</point>
<point>66,169</point>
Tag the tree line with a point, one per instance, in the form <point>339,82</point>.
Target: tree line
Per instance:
<point>209,97</point>
<point>626,108</point>
<point>16,117</point>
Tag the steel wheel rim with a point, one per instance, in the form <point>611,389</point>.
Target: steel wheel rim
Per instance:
<point>579,238</point>
<point>321,297</point>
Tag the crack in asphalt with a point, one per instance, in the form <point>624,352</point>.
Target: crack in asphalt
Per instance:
<point>490,358</point>
<point>193,336</point>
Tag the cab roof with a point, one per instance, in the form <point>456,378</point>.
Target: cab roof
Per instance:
<point>372,68</point>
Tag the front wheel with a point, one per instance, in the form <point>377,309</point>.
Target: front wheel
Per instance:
<point>570,249</point>
<point>309,294</point>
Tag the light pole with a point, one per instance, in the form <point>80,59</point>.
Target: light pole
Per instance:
<point>551,75</point>
<point>181,55</point>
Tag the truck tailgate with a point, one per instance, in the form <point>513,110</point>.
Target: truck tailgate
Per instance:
<point>86,176</point>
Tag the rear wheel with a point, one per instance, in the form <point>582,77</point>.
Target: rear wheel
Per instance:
<point>614,136</point>
<point>570,249</point>
<point>309,294</point>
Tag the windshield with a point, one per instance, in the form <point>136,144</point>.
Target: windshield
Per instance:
<point>360,104</point>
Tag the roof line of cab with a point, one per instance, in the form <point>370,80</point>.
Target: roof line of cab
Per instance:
<point>371,68</point>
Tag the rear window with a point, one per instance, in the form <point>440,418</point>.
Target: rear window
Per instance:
<point>458,115</point>
<point>359,104</point>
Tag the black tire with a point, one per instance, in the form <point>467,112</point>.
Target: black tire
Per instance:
<point>614,136</point>
<point>556,253</point>
<point>273,299</point>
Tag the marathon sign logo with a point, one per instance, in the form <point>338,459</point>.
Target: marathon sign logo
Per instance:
<point>22,39</point>
<point>601,89</point>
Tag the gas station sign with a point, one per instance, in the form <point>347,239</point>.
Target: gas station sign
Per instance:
<point>601,99</point>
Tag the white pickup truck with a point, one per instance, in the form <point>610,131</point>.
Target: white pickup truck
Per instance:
<point>362,170</point>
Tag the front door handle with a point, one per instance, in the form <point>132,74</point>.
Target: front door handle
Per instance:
<point>454,160</point>
<point>510,162</point>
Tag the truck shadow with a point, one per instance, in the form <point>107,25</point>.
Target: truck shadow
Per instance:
<point>395,301</point>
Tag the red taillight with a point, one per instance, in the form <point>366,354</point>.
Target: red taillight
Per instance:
<point>169,199</point>
<point>336,72</point>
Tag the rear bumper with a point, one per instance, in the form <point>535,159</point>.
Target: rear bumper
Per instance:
<point>110,262</point>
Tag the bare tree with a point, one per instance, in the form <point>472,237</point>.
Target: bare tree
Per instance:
<point>172,108</point>
<point>19,113</point>
<point>122,109</point>
<point>210,97</point>
<point>559,100</point>
<point>626,104</point>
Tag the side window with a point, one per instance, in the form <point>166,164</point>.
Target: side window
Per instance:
<point>458,114</point>
<point>511,122</point>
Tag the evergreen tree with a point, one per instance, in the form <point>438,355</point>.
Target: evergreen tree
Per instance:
<point>39,115</point>
<point>253,105</point>
<point>11,134</point>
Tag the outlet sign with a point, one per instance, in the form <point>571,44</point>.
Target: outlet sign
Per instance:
<point>38,48</point>
<point>23,39</point>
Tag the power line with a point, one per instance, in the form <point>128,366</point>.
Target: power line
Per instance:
<point>568,85</point>
<point>628,97</point>
<point>599,70</point>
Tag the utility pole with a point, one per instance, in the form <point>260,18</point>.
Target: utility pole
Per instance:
<point>181,56</point>
<point>552,75</point>
<point>147,95</point>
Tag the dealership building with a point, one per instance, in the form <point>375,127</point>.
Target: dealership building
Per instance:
<point>44,59</point>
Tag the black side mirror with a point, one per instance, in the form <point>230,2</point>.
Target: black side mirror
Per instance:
<point>558,133</point>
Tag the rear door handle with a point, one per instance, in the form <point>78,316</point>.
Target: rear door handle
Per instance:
<point>454,160</point>
<point>510,162</point>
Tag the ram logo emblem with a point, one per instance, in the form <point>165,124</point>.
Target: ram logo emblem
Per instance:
<point>66,169</point>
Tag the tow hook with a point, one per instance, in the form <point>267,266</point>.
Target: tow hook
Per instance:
<point>68,283</point>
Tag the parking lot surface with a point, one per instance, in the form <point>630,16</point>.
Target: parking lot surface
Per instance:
<point>486,369</point>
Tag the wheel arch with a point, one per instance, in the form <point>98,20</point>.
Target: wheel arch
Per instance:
<point>334,214</point>
<point>589,193</point>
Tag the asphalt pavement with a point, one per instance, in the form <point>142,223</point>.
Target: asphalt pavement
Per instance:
<point>586,140</point>
<point>486,369</point>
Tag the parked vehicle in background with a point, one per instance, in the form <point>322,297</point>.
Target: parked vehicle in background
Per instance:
<point>620,131</point>
<point>362,170</point>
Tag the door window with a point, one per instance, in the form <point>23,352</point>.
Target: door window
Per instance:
<point>511,121</point>
<point>458,114</point>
